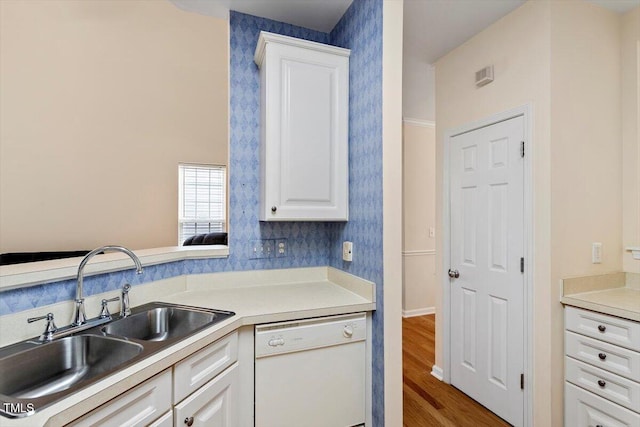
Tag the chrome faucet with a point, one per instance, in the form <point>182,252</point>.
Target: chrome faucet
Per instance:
<point>79,316</point>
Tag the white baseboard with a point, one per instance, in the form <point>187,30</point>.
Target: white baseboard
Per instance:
<point>437,372</point>
<point>418,312</point>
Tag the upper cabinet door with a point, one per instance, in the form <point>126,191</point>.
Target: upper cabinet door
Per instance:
<point>304,156</point>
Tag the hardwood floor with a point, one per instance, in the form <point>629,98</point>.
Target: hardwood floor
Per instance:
<point>427,401</point>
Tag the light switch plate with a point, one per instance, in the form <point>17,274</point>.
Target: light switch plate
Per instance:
<point>596,253</point>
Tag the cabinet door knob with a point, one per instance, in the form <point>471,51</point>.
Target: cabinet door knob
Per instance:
<point>601,383</point>
<point>602,328</point>
<point>602,356</point>
<point>274,209</point>
<point>188,421</point>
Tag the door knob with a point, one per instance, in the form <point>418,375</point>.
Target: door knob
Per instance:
<point>188,421</point>
<point>454,274</point>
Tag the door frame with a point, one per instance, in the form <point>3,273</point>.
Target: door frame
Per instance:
<point>526,112</point>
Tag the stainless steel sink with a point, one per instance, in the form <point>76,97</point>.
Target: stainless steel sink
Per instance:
<point>37,375</point>
<point>34,374</point>
<point>164,322</point>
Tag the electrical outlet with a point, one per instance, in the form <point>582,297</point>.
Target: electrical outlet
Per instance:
<point>347,251</point>
<point>281,248</point>
<point>596,253</point>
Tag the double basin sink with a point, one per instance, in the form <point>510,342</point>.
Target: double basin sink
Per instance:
<point>34,374</point>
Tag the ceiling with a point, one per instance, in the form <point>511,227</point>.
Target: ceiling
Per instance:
<point>320,15</point>
<point>620,6</point>
<point>432,28</point>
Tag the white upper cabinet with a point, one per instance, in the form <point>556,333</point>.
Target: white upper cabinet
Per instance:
<point>304,155</point>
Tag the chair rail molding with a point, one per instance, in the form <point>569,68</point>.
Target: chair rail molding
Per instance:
<point>419,122</point>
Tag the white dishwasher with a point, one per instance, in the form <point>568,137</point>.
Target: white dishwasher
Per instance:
<point>311,372</point>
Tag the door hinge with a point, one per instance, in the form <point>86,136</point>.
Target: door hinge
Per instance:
<point>522,381</point>
<point>521,265</point>
<point>522,149</point>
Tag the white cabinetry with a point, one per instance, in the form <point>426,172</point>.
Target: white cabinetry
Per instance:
<point>202,366</point>
<point>213,405</point>
<point>137,407</point>
<point>203,391</point>
<point>304,152</point>
<point>164,421</point>
<point>602,370</point>
<point>206,386</point>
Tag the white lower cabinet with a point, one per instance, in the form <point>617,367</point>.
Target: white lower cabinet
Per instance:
<point>197,369</point>
<point>200,390</point>
<point>602,370</point>
<point>585,409</point>
<point>213,405</point>
<point>139,406</point>
<point>164,421</point>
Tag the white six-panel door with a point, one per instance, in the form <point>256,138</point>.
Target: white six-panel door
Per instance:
<point>487,243</point>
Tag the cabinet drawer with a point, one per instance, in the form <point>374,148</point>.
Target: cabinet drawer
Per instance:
<point>213,405</point>
<point>137,407</point>
<point>164,421</point>
<point>194,371</point>
<point>610,386</point>
<point>610,357</point>
<point>622,332</point>
<point>583,408</point>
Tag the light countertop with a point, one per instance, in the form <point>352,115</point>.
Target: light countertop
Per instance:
<point>256,297</point>
<point>615,294</point>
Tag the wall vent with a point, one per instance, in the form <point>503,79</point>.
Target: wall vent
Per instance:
<point>484,76</point>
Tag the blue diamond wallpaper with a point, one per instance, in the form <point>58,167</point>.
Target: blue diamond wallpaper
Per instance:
<point>309,243</point>
<point>360,30</point>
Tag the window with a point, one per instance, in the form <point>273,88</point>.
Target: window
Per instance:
<point>202,200</point>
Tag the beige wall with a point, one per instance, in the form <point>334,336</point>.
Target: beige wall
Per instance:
<point>630,58</point>
<point>392,208</point>
<point>419,214</point>
<point>586,153</point>
<point>99,101</point>
<point>521,68</point>
<point>566,66</point>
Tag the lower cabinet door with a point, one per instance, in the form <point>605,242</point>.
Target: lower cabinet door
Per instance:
<point>215,404</point>
<point>164,421</point>
<point>139,406</point>
<point>583,408</point>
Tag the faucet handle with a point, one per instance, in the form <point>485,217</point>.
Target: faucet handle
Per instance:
<point>125,308</point>
<point>49,330</point>
<point>104,313</point>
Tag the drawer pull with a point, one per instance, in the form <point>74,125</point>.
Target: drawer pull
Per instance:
<point>602,356</point>
<point>188,421</point>
<point>601,383</point>
<point>602,328</point>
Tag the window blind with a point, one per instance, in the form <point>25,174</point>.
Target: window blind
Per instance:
<point>202,204</point>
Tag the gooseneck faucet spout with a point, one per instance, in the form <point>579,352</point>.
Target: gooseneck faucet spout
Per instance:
<point>79,316</point>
